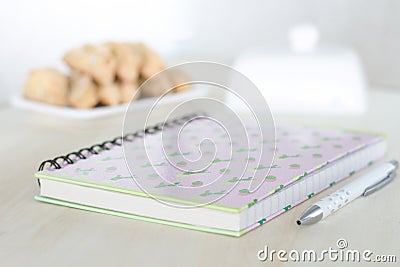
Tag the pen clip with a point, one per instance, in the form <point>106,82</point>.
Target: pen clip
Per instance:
<point>375,187</point>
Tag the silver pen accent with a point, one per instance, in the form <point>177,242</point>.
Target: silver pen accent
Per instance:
<point>311,215</point>
<point>363,186</point>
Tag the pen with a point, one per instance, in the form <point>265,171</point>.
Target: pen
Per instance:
<point>363,186</point>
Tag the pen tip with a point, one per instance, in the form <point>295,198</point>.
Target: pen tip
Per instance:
<point>395,163</point>
<point>298,222</point>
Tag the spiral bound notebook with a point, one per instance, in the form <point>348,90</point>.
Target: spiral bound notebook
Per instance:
<point>307,161</point>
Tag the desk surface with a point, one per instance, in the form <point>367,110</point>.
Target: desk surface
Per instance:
<point>38,234</point>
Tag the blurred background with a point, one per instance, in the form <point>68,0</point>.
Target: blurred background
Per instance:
<point>37,33</point>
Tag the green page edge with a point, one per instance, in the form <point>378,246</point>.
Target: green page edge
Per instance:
<point>137,217</point>
<point>40,175</point>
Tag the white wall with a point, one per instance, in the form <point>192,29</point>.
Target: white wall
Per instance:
<point>37,33</point>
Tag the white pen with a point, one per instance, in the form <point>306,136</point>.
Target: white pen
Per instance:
<point>363,186</point>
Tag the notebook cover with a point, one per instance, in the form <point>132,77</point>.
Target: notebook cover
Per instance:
<point>298,152</point>
<point>143,218</point>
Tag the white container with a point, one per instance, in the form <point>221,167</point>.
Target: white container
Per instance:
<point>306,79</point>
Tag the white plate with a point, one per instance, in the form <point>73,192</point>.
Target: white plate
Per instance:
<point>98,112</point>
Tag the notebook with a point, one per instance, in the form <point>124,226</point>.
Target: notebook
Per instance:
<point>306,161</point>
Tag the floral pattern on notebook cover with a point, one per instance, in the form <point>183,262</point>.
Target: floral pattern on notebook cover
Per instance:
<point>298,152</point>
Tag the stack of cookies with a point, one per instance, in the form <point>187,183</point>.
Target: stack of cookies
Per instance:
<point>107,74</point>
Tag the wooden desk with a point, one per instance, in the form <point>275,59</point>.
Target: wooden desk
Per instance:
<point>38,234</point>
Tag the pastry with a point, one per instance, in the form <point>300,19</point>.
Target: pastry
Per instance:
<point>110,95</point>
<point>96,61</point>
<point>156,86</point>
<point>129,59</point>
<point>129,92</point>
<point>152,62</point>
<point>47,86</point>
<point>83,93</point>
<point>178,79</point>
<point>106,74</point>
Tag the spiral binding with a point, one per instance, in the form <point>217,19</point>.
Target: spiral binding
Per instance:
<point>95,149</point>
